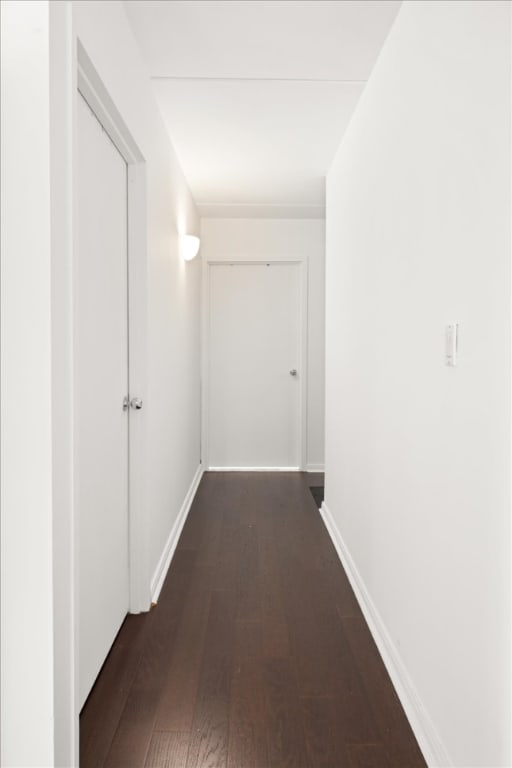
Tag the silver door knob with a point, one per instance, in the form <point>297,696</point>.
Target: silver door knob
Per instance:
<point>126,403</point>
<point>136,403</point>
<point>293,372</point>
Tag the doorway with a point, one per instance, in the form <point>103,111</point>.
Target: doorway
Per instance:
<point>101,394</point>
<point>256,366</point>
<point>109,368</point>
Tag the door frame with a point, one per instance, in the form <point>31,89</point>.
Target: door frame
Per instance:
<point>90,86</point>
<point>302,265</point>
<point>71,67</point>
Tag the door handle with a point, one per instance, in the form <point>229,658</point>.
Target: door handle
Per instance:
<point>126,403</point>
<point>293,372</point>
<point>136,403</point>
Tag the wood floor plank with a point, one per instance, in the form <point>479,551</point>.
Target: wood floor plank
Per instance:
<point>208,746</point>
<point>227,564</point>
<point>325,667</point>
<point>368,756</point>
<point>168,750</point>
<point>178,699</point>
<point>247,718</point>
<point>249,588</point>
<point>273,617</point>
<point>248,641</point>
<point>325,741</point>
<point>286,739</point>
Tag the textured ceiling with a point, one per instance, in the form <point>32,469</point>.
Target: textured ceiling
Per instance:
<point>257,94</point>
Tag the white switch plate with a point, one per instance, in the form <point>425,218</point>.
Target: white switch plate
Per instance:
<point>451,340</point>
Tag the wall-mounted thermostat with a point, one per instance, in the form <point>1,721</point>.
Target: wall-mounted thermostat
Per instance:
<point>451,341</point>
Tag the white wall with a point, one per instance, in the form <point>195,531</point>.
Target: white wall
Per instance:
<point>274,240</point>
<point>417,454</point>
<point>38,92</point>
<point>26,444</point>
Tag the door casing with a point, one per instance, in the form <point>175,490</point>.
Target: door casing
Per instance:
<point>91,88</point>
<point>101,374</point>
<point>94,92</point>
<point>71,71</point>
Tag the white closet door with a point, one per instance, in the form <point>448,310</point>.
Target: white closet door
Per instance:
<point>254,365</point>
<point>101,383</point>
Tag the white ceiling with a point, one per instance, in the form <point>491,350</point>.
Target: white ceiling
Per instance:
<point>256,94</point>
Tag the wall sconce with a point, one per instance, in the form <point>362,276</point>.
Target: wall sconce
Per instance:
<point>189,246</point>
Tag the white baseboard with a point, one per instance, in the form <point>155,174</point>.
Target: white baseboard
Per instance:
<point>434,751</point>
<point>170,545</point>
<point>315,468</point>
<point>253,469</point>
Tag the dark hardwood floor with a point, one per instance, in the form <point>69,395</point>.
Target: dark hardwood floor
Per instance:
<point>257,654</point>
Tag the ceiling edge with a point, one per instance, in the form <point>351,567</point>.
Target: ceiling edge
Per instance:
<point>258,211</point>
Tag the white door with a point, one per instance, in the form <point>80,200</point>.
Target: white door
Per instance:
<point>101,383</point>
<point>254,417</point>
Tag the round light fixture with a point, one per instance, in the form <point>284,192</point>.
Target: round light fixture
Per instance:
<point>189,246</point>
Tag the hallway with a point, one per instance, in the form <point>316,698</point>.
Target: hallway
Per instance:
<point>367,143</point>
<point>257,655</point>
